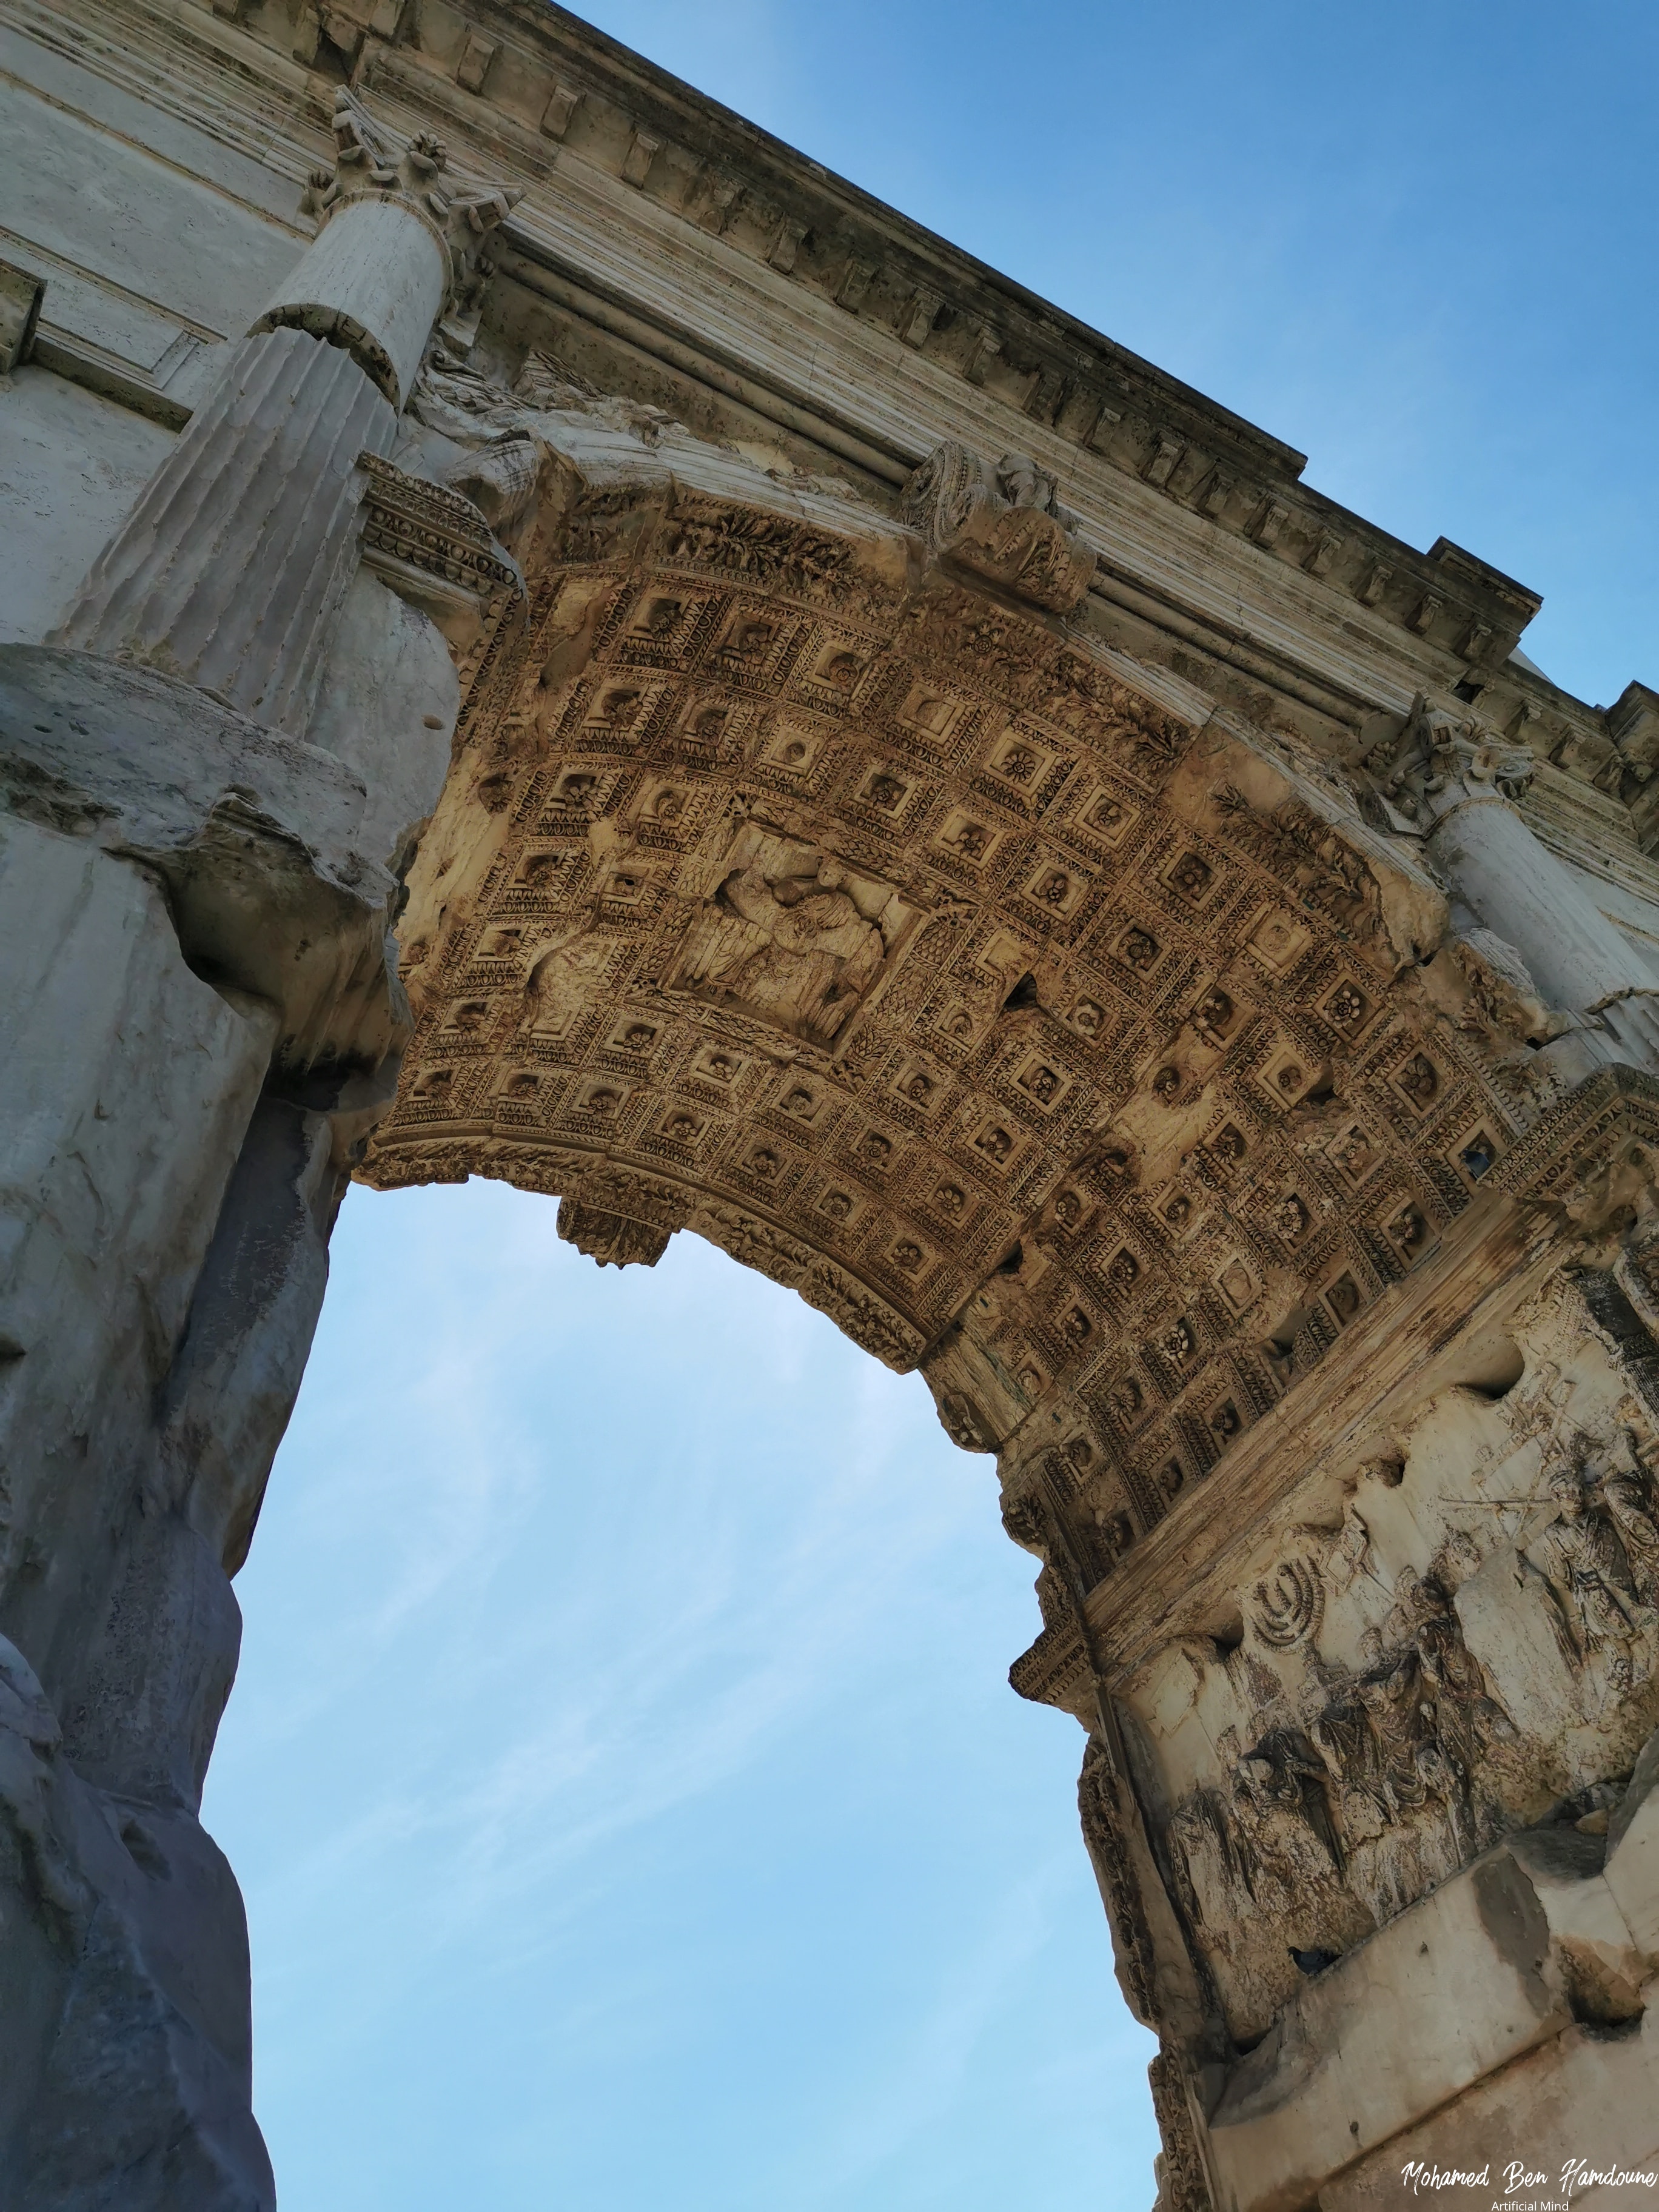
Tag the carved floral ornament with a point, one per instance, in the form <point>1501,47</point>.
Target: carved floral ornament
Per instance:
<point>896,929</point>
<point>371,163</point>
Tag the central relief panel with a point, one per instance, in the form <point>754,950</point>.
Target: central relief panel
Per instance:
<point>792,936</point>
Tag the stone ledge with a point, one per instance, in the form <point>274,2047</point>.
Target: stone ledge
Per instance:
<point>1498,1961</point>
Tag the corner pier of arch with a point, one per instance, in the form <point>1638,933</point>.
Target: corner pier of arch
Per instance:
<point>547,637</point>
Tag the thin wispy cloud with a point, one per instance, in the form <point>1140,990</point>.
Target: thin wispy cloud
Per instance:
<point>563,1599</point>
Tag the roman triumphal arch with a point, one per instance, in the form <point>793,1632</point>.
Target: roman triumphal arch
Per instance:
<point>552,639</point>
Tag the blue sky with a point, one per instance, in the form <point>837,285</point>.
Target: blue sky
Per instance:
<point>622,1775</point>
<point>630,1803</point>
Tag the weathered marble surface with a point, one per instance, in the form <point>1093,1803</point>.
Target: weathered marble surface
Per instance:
<point>128,2052</point>
<point>77,461</point>
<point>170,1176</point>
<point>128,1083</point>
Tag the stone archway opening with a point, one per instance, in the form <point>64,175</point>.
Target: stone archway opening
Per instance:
<point>812,879</point>
<point>688,1771</point>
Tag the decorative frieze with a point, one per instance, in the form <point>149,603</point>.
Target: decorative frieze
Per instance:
<point>433,545</point>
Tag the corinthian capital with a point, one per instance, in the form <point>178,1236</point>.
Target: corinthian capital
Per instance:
<point>1437,765</point>
<point>372,165</point>
<point>1467,763</point>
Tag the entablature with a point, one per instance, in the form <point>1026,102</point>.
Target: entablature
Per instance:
<point>808,313</point>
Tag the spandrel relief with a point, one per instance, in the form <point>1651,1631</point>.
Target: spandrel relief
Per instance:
<point>1363,1791</point>
<point>1407,1746</point>
<point>1259,1874</point>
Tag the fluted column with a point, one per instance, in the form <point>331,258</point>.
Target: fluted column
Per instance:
<point>1526,896</point>
<point>231,568</point>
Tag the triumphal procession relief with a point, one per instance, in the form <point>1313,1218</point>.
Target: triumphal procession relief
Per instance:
<point>548,638</point>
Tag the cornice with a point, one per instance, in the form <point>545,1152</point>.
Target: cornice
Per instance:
<point>814,226</point>
<point>1229,493</point>
<point>1205,530</point>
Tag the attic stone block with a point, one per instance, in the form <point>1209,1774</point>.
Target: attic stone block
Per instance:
<point>1164,455</point>
<point>855,283</point>
<point>916,322</point>
<point>1421,618</point>
<point>1376,581</point>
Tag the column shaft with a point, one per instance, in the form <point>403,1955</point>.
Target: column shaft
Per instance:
<point>228,570</point>
<point>1521,890</point>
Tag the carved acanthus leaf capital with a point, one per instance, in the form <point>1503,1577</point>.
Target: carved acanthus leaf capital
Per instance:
<point>371,164</point>
<point>1436,765</point>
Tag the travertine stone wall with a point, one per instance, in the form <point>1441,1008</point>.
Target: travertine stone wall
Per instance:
<point>968,830</point>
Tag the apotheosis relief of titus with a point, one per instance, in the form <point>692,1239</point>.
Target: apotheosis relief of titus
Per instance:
<point>792,936</point>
